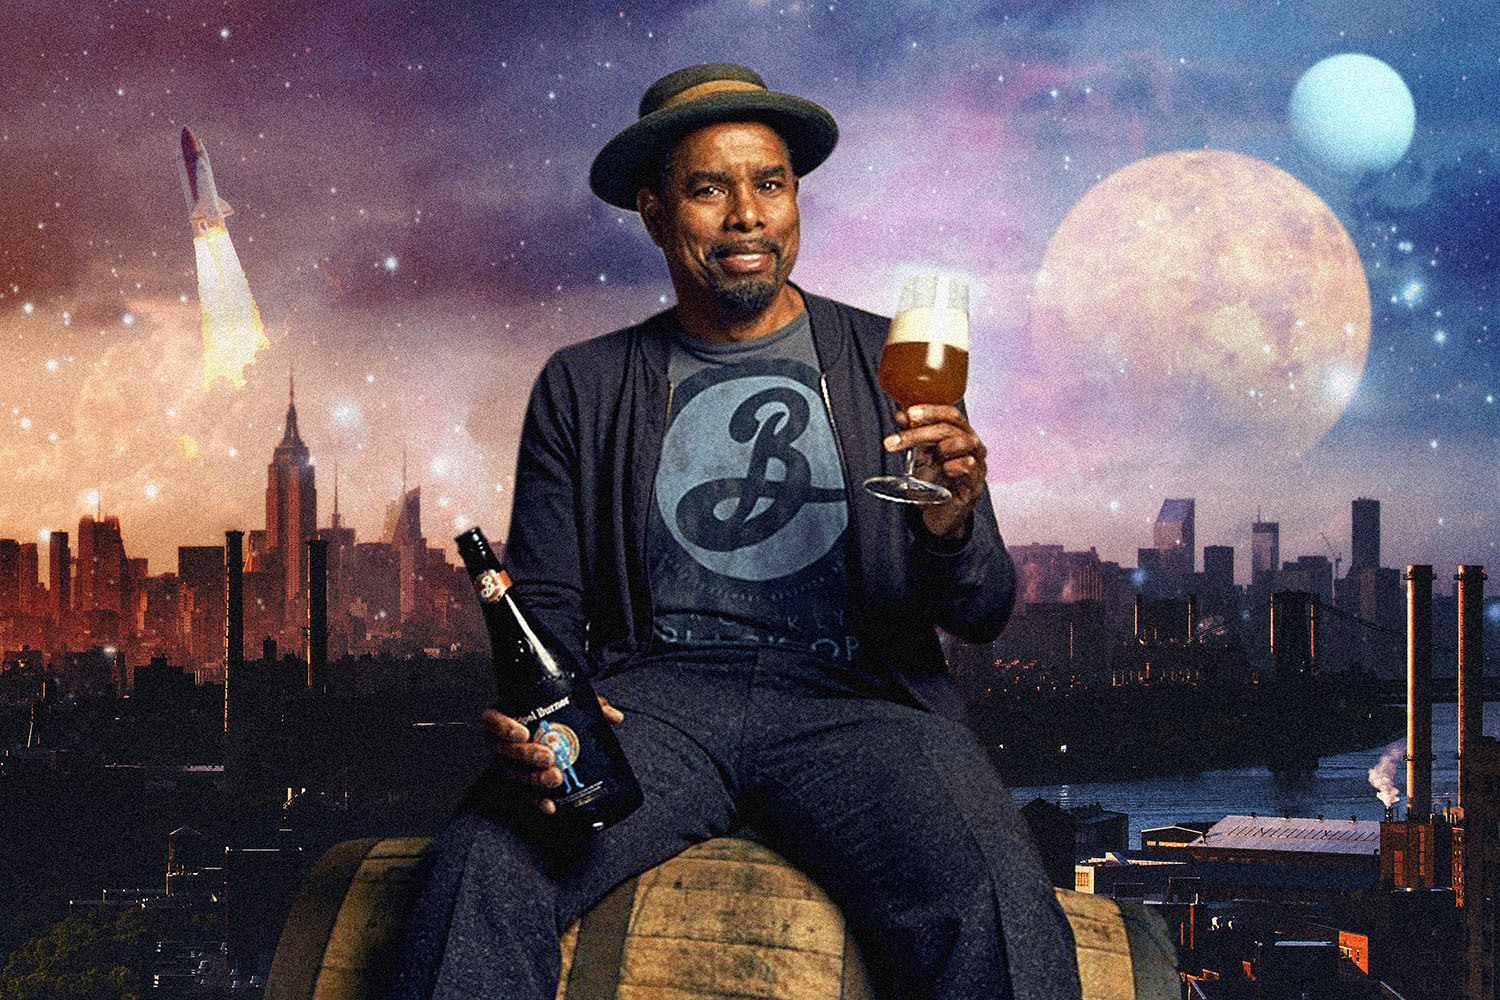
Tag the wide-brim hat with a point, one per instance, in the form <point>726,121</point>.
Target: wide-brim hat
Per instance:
<point>702,95</point>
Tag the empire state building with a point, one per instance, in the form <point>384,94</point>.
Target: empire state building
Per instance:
<point>291,510</point>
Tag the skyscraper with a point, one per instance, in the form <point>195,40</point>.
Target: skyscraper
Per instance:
<point>60,575</point>
<point>1265,548</point>
<point>103,580</point>
<point>405,526</point>
<point>10,578</point>
<point>1173,535</point>
<point>31,602</point>
<point>201,570</point>
<point>1364,549</point>
<point>1218,566</point>
<point>291,510</point>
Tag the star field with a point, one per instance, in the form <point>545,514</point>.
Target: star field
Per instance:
<point>411,210</point>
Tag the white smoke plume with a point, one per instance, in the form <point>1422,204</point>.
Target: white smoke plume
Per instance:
<point>1383,775</point>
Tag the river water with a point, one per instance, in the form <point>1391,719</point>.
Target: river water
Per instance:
<point>1340,787</point>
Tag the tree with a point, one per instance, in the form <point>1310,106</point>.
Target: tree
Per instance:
<point>87,956</point>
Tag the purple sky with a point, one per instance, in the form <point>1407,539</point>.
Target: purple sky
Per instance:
<point>411,209</point>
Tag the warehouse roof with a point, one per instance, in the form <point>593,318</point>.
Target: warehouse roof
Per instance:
<point>1266,833</point>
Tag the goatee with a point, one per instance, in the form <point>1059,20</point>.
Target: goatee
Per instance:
<point>743,296</point>
<point>743,299</point>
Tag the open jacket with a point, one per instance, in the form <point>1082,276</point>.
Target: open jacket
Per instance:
<point>587,466</point>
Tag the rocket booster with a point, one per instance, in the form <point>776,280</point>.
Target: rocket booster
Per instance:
<point>206,210</point>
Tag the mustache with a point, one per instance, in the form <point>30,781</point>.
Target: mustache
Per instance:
<point>728,247</point>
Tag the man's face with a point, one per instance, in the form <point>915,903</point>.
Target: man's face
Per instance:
<point>727,217</point>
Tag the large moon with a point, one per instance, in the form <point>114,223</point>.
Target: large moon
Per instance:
<point>1200,306</point>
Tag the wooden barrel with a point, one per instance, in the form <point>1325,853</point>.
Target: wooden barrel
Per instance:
<point>726,918</point>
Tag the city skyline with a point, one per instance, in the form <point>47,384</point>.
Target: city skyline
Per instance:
<point>411,210</point>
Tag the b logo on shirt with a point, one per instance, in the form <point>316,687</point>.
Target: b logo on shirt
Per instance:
<point>727,514</point>
<point>749,483</point>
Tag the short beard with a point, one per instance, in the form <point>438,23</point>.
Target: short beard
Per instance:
<point>744,296</point>
<point>744,299</point>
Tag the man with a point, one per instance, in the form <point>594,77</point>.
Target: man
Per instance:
<point>688,520</point>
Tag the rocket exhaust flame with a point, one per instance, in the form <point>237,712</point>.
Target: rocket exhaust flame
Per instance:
<point>1383,774</point>
<point>231,325</point>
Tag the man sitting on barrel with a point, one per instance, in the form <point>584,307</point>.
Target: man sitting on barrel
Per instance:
<point>688,518</point>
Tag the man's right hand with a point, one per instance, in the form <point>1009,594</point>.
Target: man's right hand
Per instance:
<point>526,763</point>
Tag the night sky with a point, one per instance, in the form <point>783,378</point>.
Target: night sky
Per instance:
<point>411,210</point>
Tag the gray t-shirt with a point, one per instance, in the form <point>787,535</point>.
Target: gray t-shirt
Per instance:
<point>747,542</point>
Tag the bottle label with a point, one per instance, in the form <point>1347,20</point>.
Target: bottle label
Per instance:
<point>492,585</point>
<point>548,728</point>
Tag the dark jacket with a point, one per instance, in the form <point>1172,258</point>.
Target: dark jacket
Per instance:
<point>584,478</point>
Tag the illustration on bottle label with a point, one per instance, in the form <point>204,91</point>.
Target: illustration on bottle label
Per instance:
<point>491,585</point>
<point>563,743</point>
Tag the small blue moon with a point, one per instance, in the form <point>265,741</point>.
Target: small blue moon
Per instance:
<point>1353,113</point>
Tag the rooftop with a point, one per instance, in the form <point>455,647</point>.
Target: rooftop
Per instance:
<point>1175,511</point>
<point>1323,836</point>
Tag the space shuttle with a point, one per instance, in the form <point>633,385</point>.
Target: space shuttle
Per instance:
<point>206,210</point>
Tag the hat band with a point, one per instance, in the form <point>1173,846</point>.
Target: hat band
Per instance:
<point>705,89</point>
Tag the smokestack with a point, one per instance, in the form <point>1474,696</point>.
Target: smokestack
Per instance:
<point>1192,615</point>
<point>1418,692</point>
<point>1137,617</point>
<point>317,614</point>
<point>234,618</point>
<point>1470,669</point>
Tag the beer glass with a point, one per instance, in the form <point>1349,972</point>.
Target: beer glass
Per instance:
<point>925,360</point>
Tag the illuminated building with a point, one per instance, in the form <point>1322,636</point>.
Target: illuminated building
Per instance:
<point>404,530</point>
<point>340,558</point>
<point>291,514</point>
<point>10,578</point>
<point>60,576</point>
<point>1480,852</point>
<point>29,583</point>
<point>1265,548</point>
<point>103,578</point>
<point>201,570</point>
<point>1173,536</point>
<point>1290,859</point>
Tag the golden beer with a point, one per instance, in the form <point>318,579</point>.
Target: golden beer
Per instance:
<point>909,376</point>
<point>926,356</point>
<point>925,360</point>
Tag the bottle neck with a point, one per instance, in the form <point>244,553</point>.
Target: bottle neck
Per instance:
<point>520,653</point>
<point>546,663</point>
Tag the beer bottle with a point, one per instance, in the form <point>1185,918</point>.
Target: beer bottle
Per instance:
<point>555,702</point>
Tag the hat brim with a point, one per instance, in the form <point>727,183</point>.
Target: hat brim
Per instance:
<point>809,131</point>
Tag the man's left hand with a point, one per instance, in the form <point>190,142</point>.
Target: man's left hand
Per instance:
<point>948,453</point>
